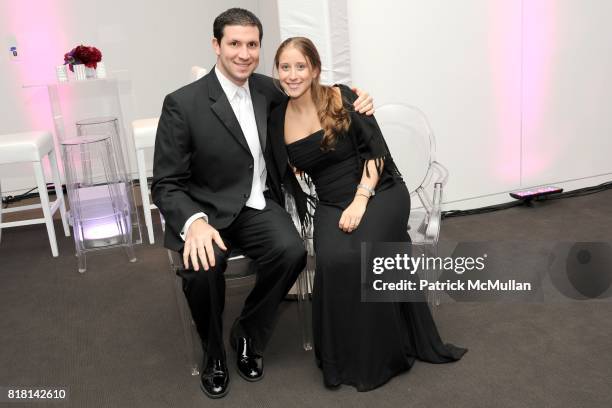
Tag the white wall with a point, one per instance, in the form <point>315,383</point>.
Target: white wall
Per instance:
<point>516,91</point>
<point>325,23</point>
<point>149,45</point>
<point>267,11</point>
<point>567,132</point>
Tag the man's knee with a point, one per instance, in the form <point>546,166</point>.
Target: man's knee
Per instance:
<point>291,251</point>
<point>220,261</point>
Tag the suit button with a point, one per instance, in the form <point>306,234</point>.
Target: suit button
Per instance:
<point>246,196</point>
<point>250,167</point>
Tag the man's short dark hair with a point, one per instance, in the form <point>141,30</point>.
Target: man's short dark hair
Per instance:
<point>235,16</point>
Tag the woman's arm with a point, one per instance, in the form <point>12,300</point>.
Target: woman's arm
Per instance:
<point>351,216</point>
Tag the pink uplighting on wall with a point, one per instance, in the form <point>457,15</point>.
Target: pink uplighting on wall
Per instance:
<point>539,33</point>
<point>521,44</point>
<point>38,26</point>
<point>504,50</point>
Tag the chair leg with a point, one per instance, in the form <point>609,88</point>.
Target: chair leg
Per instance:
<point>432,296</point>
<point>82,262</point>
<point>189,331</point>
<point>437,294</point>
<point>144,194</point>
<point>304,306</point>
<point>44,202</point>
<point>59,195</point>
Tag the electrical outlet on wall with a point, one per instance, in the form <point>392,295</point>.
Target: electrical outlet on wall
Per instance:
<point>13,49</point>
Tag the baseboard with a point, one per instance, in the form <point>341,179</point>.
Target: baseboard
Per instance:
<point>503,197</point>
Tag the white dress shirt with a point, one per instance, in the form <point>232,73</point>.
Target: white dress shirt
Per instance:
<point>239,98</point>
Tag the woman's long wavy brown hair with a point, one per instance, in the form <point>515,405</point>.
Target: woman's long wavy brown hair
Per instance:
<point>335,120</point>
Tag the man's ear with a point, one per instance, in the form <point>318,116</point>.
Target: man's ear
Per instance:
<point>216,46</point>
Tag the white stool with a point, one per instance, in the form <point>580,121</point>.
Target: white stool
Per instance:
<point>32,147</point>
<point>144,131</point>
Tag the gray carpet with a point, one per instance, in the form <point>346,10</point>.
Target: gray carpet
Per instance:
<point>112,336</point>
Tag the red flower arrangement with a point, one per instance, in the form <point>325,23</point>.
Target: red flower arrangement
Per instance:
<point>83,54</point>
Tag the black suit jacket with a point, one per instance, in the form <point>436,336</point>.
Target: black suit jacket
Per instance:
<point>202,161</point>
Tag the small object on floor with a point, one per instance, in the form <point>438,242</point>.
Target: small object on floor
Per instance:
<point>528,195</point>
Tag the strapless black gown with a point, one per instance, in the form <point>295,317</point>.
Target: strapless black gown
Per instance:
<point>361,344</point>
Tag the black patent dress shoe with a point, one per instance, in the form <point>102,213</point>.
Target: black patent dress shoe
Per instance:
<point>249,363</point>
<point>214,380</point>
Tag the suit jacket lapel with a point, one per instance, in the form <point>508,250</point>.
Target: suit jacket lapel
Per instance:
<point>223,109</point>
<point>278,143</point>
<point>261,117</point>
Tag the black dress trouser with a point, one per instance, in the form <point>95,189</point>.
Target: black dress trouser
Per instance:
<point>271,240</point>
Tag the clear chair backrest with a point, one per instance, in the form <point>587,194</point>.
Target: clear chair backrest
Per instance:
<point>410,141</point>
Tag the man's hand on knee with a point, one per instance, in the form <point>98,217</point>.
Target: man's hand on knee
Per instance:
<point>199,244</point>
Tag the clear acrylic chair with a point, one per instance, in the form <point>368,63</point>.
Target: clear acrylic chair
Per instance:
<point>305,281</point>
<point>239,268</point>
<point>100,207</point>
<point>109,125</point>
<point>413,147</point>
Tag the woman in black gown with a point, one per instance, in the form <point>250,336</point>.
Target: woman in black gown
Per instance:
<point>361,197</point>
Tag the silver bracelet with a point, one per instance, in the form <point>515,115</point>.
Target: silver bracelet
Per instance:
<point>368,189</point>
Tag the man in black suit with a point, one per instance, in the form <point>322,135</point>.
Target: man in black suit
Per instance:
<point>216,184</point>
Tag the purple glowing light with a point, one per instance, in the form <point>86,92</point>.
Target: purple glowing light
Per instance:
<point>540,191</point>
